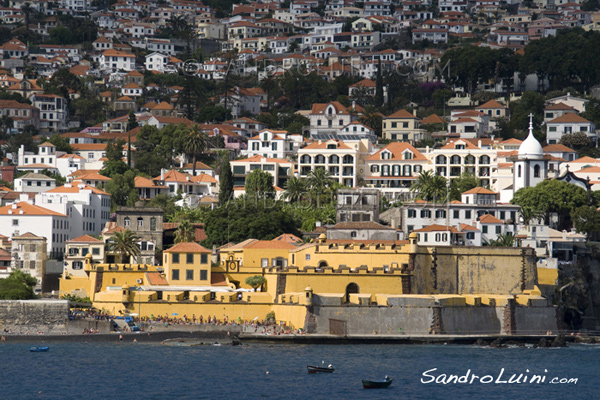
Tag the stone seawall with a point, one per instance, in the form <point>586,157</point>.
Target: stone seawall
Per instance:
<point>45,316</point>
<point>424,320</point>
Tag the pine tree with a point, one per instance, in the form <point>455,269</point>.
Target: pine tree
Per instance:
<point>379,87</point>
<point>226,183</point>
<point>131,124</point>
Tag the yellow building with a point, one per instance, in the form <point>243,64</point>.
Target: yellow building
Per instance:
<point>187,264</point>
<point>334,286</point>
<point>402,126</point>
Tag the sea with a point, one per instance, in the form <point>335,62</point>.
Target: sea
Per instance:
<point>134,370</point>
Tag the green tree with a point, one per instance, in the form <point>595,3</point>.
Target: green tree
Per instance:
<point>550,196</point>
<point>114,165</point>
<point>225,183</point>
<point>465,182</point>
<point>576,141</point>
<point>586,219</point>
<point>259,184</point>
<point>194,144</point>
<point>122,190</point>
<point>125,245</point>
<point>294,188</point>
<point>156,149</point>
<point>255,281</point>
<point>62,144</point>
<point>18,286</point>
<point>430,187</point>
<point>240,220</point>
<point>503,240</point>
<point>320,184</point>
<point>185,232</point>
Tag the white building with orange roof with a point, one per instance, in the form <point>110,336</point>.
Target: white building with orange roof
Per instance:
<point>568,124</point>
<point>330,117</point>
<point>21,217</point>
<point>394,168</point>
<point>469,124</point>
<point>87,207</point>
<point>556,110</point>
<point>91,178</point>
<point>442,235</point>
<point>94,154</point>
<point>186,184</point>
<point>280,169</point>
<point>494,110</point>
<point>462,156</point>
<point>492,227</point>
<point>561,151</point>
<point>345,162</point>
<point>34,183</point>
<point>76,251</point>
<point>132,90</point>
<point>113,60</point>
<point>273,144</point>
<point>147,189</point>
<point>201,168</point>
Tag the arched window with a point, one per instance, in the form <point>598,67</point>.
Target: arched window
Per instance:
<point>469,159</point>
<point>440,159</point>
<point>536,171</point>
<point>348,159</point>
<point>484,160</point>
<point>455,160</point>
<point>152,224</point>
<point>305,159</point>
<point>320,159</point>
<point>334,159</point>
<point>519,171</point>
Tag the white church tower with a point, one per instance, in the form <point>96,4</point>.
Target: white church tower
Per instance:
<point>530,166</point>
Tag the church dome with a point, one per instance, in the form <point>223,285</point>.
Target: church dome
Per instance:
<point>531,149</point>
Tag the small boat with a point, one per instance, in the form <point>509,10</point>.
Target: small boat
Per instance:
<point>386,382</point>
<point>313,369</point>
<point>38,349</point>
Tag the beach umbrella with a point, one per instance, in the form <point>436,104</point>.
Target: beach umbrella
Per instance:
<point>255,318</point>
<point>174,313</point>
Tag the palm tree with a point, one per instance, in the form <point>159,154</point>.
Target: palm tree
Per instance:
<point>430,187</point>
<point>269,85</point>
<point>185,232</point>
<point>372,119</point>
<point>294,188</point>
<point>194,144</point>
<point>6,123</point>
<point>505,240</point>
<point>319,182</point>
<point>125,244</point>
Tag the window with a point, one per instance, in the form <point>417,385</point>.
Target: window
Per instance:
<point>536,171</point>
<point>203,275</point>
<point>456,214</point>
<point>126,222</point>
<point>189,258</point>
<point>353,234</point>
<point>152,224</point>
<point>175,275</point>
<point>175,258</point>
<point>96,251</point>
<point>264,262</point>
<point>140,222</point>
<point>307,257</point>
<point>412,213</point>
<point>498,230</point>
<point>77,265</point>
<point>189,274</point>
<point>519,171</point>
<point>470,235</point>
<point>425,213</point>
<point>467,214</point>
<point>203,258</point>
<point>484,229</point>
<point>15,222</point>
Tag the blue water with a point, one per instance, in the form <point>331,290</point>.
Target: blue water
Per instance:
<point>154,371</point>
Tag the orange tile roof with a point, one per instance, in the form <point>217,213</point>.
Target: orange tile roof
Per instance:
<point>558,148</point>
<point>479,190</point>
<point>323,145</point>
<point>174,176</point>
<point>402,114</point>
<point>465,227</point>
<point>199,165</point>
<point>452,144</point>
<point>559,106</point>
<point>319,108</point>
<point>491,104</point>
<point>586,159</point>
<point>84,239</point>
<point>489,219</point>
<point>433,119</point>
<point>75,189</point>
<point>204,178</point>
<point>188,247</point>
<point>28,209</point>
<point>259,158</point>
<point>156,279</point>
<point>437,228</point>
<point>569,118</point>
<point>397,149</point>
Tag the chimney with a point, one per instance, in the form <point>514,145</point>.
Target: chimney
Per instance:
<point>353,105</point>
<point>415,112</point>
<point>162,174</point>
<point>14,206</point>
<point>479,143</point>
